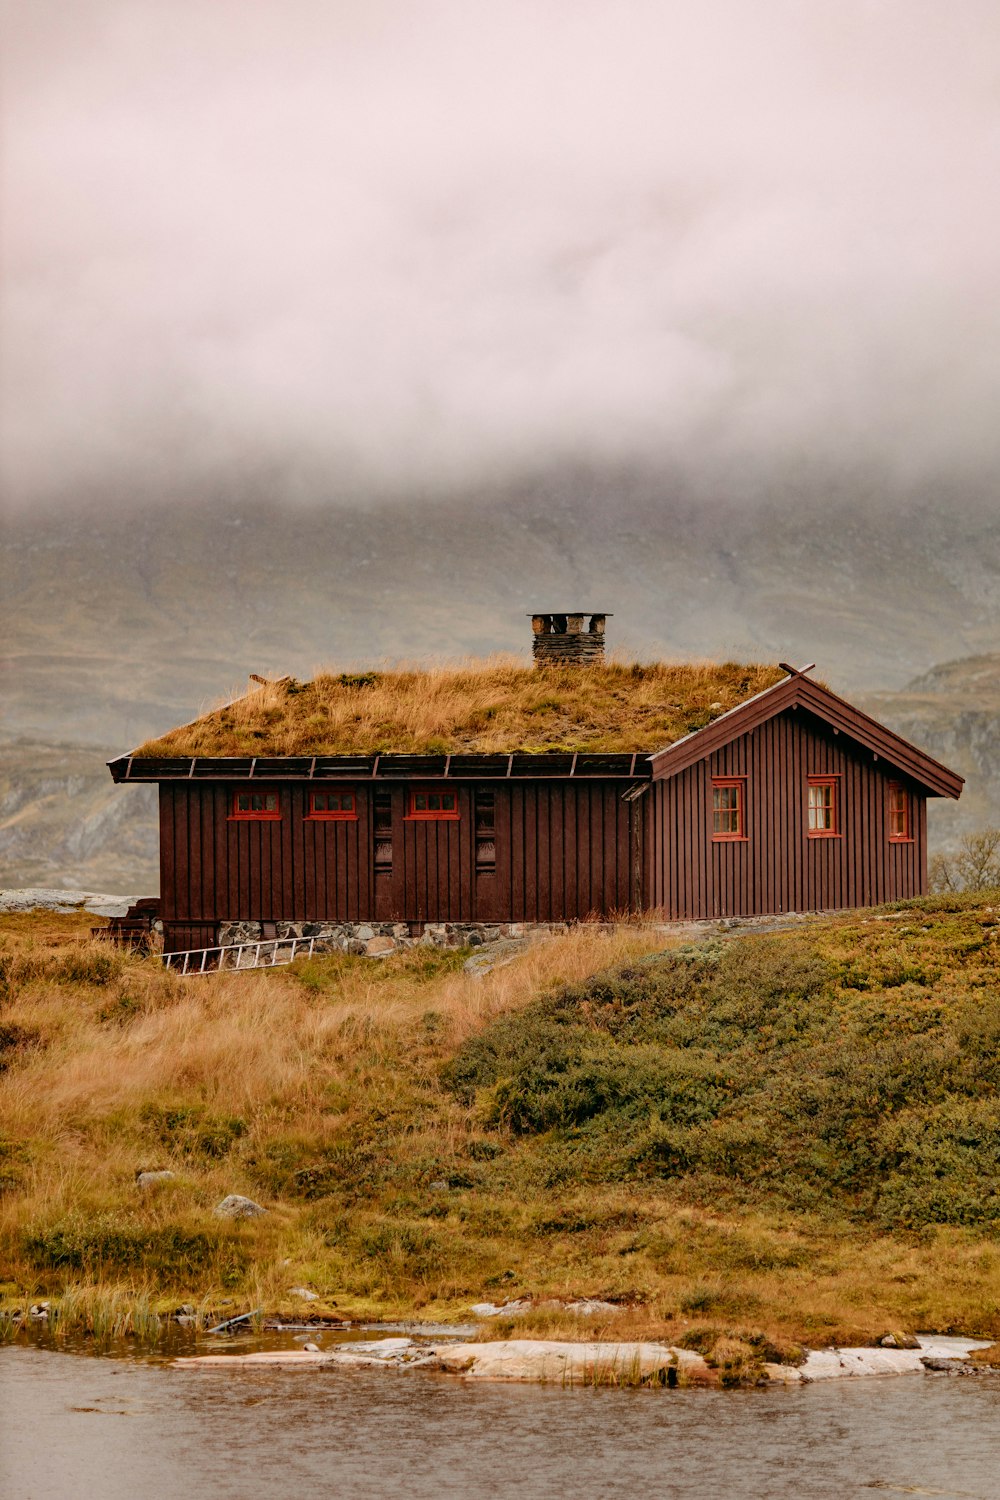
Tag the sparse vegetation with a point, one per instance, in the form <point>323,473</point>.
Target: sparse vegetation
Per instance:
<point>490,705</point>
<point>746,1146</point>
<point>974,867</point>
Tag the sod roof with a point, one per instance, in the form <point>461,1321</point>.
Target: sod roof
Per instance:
<point>491,706</point>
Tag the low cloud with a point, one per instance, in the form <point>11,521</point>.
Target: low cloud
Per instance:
<point>399,246</point>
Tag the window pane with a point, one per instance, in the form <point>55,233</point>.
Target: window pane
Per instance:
<point>319,802</point>
<point>347,802</point>
<point>821,807</point>
<point>243,802</point>
<point>727,810</point>
<point>419,802</point>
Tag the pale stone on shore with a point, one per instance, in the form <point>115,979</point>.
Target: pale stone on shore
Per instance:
<point>561,1363</point>
<point>544,1361</point>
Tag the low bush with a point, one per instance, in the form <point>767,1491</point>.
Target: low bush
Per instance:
<point>762,1069</point>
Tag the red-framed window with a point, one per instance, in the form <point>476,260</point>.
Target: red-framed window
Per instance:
<point>256,806</point>
<point>823,807</point>
<point>899,813</point>
<point>729,801</point>
<point>336,804</point>
<point>432,804</point>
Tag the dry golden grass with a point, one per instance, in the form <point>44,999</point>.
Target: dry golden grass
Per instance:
<point>494,705</point>
<point>317,1091</point>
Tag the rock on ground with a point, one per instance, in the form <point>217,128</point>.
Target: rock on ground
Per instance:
<point>150,1179</point>
<point>235,1206</point>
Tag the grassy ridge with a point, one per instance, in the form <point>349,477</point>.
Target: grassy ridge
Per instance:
<point>782,1139</point>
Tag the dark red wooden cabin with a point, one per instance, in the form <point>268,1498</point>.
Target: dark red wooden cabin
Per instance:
<point>793,801</point>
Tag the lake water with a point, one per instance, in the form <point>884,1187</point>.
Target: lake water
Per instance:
<point>75,1427</point>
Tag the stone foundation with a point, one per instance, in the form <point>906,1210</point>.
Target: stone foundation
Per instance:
<point>378,939</point>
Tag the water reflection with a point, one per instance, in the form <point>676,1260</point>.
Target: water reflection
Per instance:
<point>116,1428</point>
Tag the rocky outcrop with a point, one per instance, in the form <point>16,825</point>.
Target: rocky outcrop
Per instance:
<point>560,1362</point>
<point>542,1361</point>
<point>47,898</point>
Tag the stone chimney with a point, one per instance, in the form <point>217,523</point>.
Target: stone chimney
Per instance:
<point>562,640</point>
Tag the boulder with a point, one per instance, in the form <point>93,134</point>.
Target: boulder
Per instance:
<point>144,1179</point>
<point>303,1293</point>
<point>899,1341</point>
<point>235,1206</point>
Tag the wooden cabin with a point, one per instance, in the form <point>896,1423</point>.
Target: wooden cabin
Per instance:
<point>498,793</point>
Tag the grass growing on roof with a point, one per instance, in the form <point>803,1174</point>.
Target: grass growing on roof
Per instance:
<point>484,706</point>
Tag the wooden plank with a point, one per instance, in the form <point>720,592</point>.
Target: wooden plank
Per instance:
<point>517,906</point>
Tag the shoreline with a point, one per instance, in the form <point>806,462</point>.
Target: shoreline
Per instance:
<point>602,1362</point>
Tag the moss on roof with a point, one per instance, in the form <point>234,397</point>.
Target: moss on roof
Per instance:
<point>485,706</point>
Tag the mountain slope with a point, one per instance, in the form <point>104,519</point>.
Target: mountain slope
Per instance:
<point>121,623</point>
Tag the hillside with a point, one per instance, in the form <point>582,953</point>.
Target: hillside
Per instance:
<point>766,1139</point>
<point>64,823</point>
<point>954,712</point>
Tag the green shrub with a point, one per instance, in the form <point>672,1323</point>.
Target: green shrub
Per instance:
<point>751,1070</point>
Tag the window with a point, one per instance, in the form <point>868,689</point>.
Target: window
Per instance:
<point>433,806</point>
<point>339,806</point>
<point>728,808</point>
<point>824,813</point>
<point>900,829</point>
<point>256,805</point>
<point>486,836</point>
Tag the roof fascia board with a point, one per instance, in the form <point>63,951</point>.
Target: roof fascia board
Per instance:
<point>837,712</point>
<point>881,740</point>
<point>183,768</point>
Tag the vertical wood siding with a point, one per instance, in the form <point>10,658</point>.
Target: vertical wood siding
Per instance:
<point>779,868</point>
<point>563,850</point>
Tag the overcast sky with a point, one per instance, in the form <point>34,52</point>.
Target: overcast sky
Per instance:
<point>369,246</point>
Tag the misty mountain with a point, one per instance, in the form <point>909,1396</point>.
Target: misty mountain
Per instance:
<point>120,623</point>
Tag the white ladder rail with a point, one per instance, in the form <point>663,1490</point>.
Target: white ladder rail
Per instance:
<point>269,953</point>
